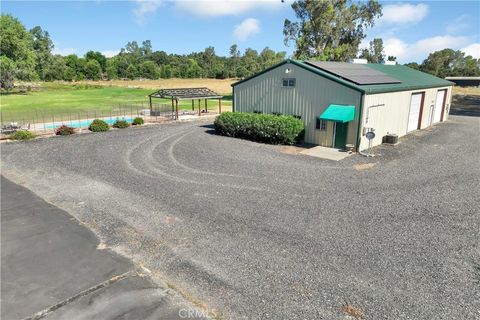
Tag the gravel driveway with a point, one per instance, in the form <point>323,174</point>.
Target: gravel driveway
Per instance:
<point>255,233</point>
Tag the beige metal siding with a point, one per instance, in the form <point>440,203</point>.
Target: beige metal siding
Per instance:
<point>388,112</point>
<point>311,95</point>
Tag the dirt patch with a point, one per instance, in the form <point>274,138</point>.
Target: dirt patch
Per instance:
<point>222,86</point>
<point>291,149</point>
<point>364,166</point>
<point>352,311</point>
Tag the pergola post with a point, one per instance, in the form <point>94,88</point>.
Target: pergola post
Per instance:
<point>191,94</point>
<point>176,109</point>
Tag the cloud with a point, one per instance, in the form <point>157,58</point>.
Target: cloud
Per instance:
<point>216,8</point>
<point>110,53</point>
<point>420,49</point>
<point>144,8</point>
<point>472,50</point>
<point>63,51</point>
<point>247,28</point>
<point>458,24</point>
<point>403,13</point>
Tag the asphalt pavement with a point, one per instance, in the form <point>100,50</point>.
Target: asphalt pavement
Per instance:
<point>52,268</point>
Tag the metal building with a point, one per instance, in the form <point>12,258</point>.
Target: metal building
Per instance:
<point>340,102</point>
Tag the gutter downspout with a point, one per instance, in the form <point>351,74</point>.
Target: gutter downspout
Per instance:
<point>359,124</point>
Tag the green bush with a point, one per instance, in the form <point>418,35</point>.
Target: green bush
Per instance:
<point>64,130</point>
<point>98,125</point>
<point>138,121</point>
<point>121,124</point>
<point>267,128</point>
<point>22,135</point>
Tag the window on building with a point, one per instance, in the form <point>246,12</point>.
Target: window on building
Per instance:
<point>321,125</point>
<point>288,82</point>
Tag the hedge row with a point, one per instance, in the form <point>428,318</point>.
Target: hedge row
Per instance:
<point>265,128</point>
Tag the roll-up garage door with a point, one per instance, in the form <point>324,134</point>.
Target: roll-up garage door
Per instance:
<point>414,114</point>
<point>437,113</point>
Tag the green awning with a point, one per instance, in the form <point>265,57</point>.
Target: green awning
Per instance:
<point>338,113</point>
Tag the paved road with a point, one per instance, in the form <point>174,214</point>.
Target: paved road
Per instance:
<point>260,234</point>
<point>52,269</point>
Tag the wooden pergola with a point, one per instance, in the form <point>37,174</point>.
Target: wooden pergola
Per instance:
<point>187,94</point>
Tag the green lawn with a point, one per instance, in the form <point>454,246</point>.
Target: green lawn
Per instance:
<point>65,100</point>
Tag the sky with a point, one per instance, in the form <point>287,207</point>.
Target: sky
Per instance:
<point>410,30</point>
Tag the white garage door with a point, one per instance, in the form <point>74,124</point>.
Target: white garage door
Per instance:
<point>437,113</point>
<point>415,105</point>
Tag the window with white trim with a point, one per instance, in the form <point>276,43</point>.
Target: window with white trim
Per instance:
<point>288,82</point>
<point>321,125</point>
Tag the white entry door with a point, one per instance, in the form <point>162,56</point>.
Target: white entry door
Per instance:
<point>437,112</point>
<point>414,114</point>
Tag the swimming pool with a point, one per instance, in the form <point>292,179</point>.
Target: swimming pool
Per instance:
<point>84,123</point>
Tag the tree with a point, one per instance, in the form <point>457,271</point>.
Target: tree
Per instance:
<point>43,46</point>
<point>55,70</point>
<point>7,73</point>
<point>159,57</point>
<point>392,58</point>
<point>413,65</point>
<point>132,72</point>
<point>149,70</point>
<point>330,29</point>
<point>17,45</point>
<point>146,49</point>
<point>448,62</point>
<point>95,55</point>
<point>112,70</point>
<point>208,58</point>
<point>375,53</point>
<point>69,74</point>
<point>93,70</point>
<point>250,61</point>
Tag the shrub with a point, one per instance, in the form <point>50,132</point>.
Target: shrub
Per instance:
<point>260,127</point>
<point>98,125</point>
<point>121,124</point>
<point>138,121</point>
<point>22,135</point>
<point>64,130</point>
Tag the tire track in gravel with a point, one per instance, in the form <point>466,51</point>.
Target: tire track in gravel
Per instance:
<point>150,167</point>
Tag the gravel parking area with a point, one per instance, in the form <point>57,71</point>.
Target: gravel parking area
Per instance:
<point>257,233</point>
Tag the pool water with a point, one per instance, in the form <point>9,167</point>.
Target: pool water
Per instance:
<point>84,123</point>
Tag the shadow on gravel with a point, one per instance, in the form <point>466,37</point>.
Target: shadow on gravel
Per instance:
<point>210,129</point>
<point>465,105</point>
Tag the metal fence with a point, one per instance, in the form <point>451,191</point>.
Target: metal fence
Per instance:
<point>40,121</point>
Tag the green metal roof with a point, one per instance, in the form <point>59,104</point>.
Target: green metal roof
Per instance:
<point>338,113</point>
<point>410,79</point>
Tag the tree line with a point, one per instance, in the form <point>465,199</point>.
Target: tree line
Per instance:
<point>27,55</point>
<point>323,30</point>
<point>333,30</point>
